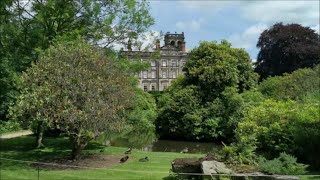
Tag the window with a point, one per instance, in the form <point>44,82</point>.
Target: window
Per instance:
<point>173,63</point>
<point>145,88</point>
<point>153,87</point>
<point>164,74</point>
<point>164,86</point>
<point>153,74</point>
<point>174,74</point>
<point>183,62</point>
<point>164,63</point>
<point>153,63</point>
<point>145,74</point>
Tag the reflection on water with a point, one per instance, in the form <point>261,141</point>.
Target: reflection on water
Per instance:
<point>177,146</point>
<point>172,146</point>
<point>145,141</point>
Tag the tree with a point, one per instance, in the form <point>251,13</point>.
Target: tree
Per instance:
<point>75,88</point>
<point>100,22</point>
<point>27,28</point>
<point>213,67</point>
<point>205,104</point>
<point>285,48</point>
<point>140,129</point>
<point>14,55</point>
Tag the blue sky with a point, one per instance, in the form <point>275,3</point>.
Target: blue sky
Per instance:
<point>240,22</point>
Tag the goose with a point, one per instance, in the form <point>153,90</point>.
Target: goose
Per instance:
<point>145,159</point>
<point>185,150</point>
<point>124,159</point>
<point>128,150</point>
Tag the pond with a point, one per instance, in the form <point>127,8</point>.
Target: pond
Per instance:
<point>172,146</point>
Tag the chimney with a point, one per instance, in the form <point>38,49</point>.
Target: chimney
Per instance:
<point>157,44</point>
<point>183,47</point>
<point>129,45</point>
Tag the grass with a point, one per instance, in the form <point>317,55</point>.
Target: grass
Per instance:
<point>22,148</point>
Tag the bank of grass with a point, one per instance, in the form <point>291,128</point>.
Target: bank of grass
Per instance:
<point>22,148</point>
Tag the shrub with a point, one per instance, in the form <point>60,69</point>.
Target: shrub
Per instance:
<point>294,86</point>
<point>274,127</point>
<point>284,164</point>
<point>9,126</point>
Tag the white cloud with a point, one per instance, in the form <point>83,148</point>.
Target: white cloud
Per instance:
<point>304,12</point>
<point>146,41</point>
<point>212,6</point>
<point>316,28</point>
<point>193,25</point>
<point>248,38</point>
<point>268,12</point>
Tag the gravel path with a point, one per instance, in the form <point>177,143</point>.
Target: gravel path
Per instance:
<point>15,134</point>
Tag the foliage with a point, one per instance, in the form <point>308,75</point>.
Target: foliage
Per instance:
<point>75,88</point>
<point>213,67</point>
<point>293,86</point>
<point>27,29</point>
<point>284,164</point>
<point>205,104</point>
<point>140,129</point>
<point>110,21</point>
<point>9,126</point>
<point>179,105</point>
<point>275,126</point>
<point>14,55</point>
<point>286,48</point>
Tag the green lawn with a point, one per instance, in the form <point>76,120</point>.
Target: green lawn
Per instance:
<point>22,149</point>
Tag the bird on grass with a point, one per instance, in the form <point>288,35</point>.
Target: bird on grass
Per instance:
<point>145,159</point>
<point>185,150</point>
<point>124,159</point>
<point>128,151</point>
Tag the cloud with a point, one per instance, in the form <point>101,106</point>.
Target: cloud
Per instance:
<point>316,28</point>
<point>193,25</point>
<point>304,12</point>
<point>248,38</point>
<point>146,41</point>
<point>268,12</point>
<point>212,6</point>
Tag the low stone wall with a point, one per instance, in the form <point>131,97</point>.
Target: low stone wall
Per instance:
<point>208,168</point>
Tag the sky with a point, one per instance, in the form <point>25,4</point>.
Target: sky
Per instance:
<point>239,22</point>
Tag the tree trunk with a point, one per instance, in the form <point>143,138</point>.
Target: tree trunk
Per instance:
<point>78,146</point>
<point>39,136</point>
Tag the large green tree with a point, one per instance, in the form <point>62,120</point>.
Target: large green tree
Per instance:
<point>101,22</point>
<point>205,104</point>
<point>285,48</point>
<point>76,89</point>
<point>213,67</point>
<point>35,25</point>
<point>15,55</point>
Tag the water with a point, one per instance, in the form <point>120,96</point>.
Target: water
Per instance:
<point>172,146</point>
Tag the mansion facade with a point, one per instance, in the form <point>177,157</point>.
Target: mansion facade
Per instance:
<point>165,67</point>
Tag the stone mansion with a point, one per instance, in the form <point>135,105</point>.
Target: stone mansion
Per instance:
<point>166,67</point>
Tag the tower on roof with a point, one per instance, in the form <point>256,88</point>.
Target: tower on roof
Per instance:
<point>176,40</point>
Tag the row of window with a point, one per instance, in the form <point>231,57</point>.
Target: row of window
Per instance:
<point>153,87</point>
<point>164,63</point>
<point>172,74</point>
